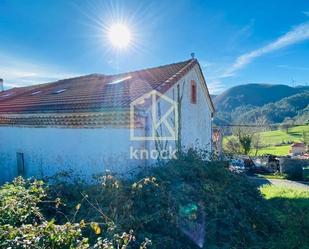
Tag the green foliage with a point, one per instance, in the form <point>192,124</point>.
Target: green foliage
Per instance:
<point>293,168</point>
<point>164,202</point>
<point>275,142</point>
<point>23,206</point>
<point>245,140</point>
<point>19,201</point>
<point>188,203</point>
<point>247,103</point>
<point>45,235</point>
<point>252,94</point>
<point>290,206</point>
<point>284,111</point>
<point>305,137</point>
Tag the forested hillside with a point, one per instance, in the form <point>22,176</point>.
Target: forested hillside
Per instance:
<point>273,103</point>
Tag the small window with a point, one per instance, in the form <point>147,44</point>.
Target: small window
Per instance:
<point>193,92</point>
<point>20,164</point>
<point>35,93</point>
<point>120,80</point>
<point>6,95</point>
<point>59,91</point>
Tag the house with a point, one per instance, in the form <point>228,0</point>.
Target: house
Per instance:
<point>96,122</point>
<point>298,149</point>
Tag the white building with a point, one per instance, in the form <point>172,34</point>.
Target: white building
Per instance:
<point>298,149</point>
<point>85,124</point>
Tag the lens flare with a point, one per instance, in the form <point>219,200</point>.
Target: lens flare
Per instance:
<point>119,35</point>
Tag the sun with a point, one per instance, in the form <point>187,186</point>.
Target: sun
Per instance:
<point>119,35</point>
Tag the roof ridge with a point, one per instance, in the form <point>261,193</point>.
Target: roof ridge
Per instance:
<point>150,68</point>
<point>42,85</point>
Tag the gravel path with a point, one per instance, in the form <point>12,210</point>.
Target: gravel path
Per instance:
<point>279,182</point>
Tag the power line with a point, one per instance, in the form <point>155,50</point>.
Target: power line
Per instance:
<point>252,125</point>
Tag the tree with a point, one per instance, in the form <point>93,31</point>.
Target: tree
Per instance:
<point>232,146</point>
<point>261,125</point>
<point>245,140</point>
<point>305,137</point>
<point>257,142</point>
<point>288,123</point>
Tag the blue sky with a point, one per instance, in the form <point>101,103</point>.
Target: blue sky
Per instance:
<point>236,42</point>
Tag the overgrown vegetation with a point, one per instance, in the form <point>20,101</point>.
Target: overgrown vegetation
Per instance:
<point>188,203</point>
<point>290,206</point>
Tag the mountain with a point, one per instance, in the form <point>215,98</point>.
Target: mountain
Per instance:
<point>252,94</point>
<point>294,108</point>
<point>275,103</point>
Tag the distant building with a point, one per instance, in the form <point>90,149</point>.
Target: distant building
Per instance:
<point>298,149</point>
<point>85,124</point>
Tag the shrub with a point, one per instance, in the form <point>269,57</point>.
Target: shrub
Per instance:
<point>293,168</point>
<point>187,203</point>
<point>23,224</point>
<point>19,201</point>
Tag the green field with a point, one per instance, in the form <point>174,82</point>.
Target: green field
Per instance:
<point>272,141</point>
<point>290,207</point>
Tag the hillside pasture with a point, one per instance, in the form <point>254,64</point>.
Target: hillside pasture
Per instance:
<point>278,142</point>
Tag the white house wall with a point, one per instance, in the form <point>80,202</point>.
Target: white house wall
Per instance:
<point>196,130</point>
<point>49,150</point>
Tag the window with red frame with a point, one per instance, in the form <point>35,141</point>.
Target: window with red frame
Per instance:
<point>193,92</point>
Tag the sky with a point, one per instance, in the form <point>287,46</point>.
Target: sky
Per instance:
<point>236,42</point>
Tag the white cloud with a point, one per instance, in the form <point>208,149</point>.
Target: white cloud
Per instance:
<point>18,72</point>
<point>297,34</point>
<point>293,67</point>
<point>215,86</point>
<point>306,13</point>
<point>206,64</point>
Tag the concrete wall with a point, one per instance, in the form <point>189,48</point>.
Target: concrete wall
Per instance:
<point>49,150</point>
<point>196,118</point>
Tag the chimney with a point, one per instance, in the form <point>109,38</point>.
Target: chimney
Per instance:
<point>1,85</point>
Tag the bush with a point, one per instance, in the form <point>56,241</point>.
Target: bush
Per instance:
<point>19,201</point>
<point>187,203</point>
<point>293,168</point>
<point>24,225</point>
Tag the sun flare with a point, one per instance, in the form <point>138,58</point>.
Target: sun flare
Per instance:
<point>119,35</point>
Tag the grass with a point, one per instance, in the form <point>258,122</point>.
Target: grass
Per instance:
<point>272,141</point>
<point>290,207</point>
<point>292,193</point>
<point>272,176</point>
<point>278,136</point>
<point>282,150</point>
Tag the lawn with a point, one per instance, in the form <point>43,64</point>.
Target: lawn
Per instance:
<point>282,150</point>
<point>273,141</point>
<point>278,136</point>
<point>290,208</point>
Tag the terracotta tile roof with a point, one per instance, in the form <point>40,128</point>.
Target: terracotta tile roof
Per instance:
<point>87,94</point>
<point>298,145</point>
<point>119,119</point>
